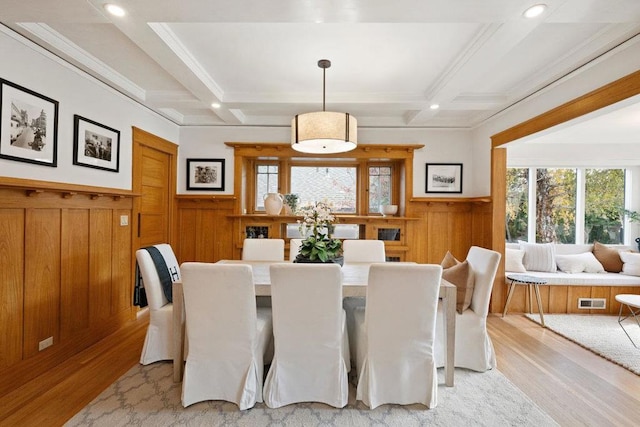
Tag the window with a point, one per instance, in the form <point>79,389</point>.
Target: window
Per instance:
<point>568,206</point>
<point>604,196</point>
<point>355,183</point>
<point>379,187</point>
<point>266,182</point>
<point>336,185</point>
<point>556,205</point>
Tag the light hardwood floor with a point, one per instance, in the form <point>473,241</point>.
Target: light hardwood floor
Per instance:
<point>573,385</point>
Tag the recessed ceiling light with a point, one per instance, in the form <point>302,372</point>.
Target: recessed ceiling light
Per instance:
<point>534,11</point>
<point>434,106</point>
<point>215,105</point>
<point>114,9</point>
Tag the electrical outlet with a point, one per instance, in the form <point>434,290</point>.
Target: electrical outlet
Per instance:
<point>45,343</point>
<point>124,220</point>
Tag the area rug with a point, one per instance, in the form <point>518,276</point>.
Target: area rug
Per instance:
<point>147,396</point>
<point>599,333</point>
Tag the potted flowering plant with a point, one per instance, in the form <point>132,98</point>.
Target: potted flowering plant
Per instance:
<point>317,226</point>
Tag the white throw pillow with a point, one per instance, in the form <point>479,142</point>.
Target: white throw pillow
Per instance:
<point>577,263</point>
<point>513,261</point>
<point>631,263</point>
<point>539,256</point>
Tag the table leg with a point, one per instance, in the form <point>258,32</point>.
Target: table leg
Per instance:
<point>537,289</point>
<point>509,295</point>
<point>449,334</point>
<point>178,332</point>
<point>621,319</point>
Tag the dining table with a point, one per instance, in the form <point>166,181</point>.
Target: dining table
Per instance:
<point>354,284</point>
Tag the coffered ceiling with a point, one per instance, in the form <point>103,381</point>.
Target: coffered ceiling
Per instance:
<point>391,60</point>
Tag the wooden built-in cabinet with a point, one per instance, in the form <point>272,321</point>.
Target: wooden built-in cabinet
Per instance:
<point>392,230</point>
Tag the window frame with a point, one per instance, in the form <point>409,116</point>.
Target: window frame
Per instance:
<point>580,208</point>
<point>362,181</point>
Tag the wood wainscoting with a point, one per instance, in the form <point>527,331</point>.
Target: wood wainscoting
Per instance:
<point>66,273</point>
<point>563,299</point>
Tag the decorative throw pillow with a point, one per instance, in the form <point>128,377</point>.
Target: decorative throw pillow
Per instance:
<point>539,256</point>
<point>461,275</point>
<point>449,261</point>
<point>577,263</point>
<point>631,263</point>
<point>513,261</point>
<point>608,257</point>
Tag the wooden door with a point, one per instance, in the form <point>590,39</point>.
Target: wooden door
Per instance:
<point>154,180</point>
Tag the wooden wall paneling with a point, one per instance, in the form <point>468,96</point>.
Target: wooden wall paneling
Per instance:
<point>438,237</point>
<point>122,275</point>
<point>575,292</point>
<point>42,278</point>
<point>481,219</point>
<point>599,292</point>
<point>460,231</point>
<point>224,231</point>
<point>188,226</point>
<point>558,299</point>
<point>74,287</point>
<point>12,285</point>
<point>100,249</point>
<point>206,236</point>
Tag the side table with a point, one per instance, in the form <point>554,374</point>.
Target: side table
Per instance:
<point>633,305</point>
<point>524,279</point>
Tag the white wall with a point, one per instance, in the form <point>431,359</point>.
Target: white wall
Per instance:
<point>440,146</point>
<point>32,67</point>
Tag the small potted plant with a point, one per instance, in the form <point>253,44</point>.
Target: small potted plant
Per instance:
<point>291,203</point>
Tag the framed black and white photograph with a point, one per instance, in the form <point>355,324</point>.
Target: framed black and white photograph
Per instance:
<point>28,125</point>
<point>95,145</point>
<point>205,174</point>
<point>444,178</point>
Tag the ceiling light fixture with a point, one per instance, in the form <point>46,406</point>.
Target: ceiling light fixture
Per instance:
<point>324,132</point>
<point>215,105</point>
<point>114,9</point>
<point>535,10</point>
<point>434,106</point>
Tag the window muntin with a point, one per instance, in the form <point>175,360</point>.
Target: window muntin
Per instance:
<point>337,185</point>
<point>568,205</point>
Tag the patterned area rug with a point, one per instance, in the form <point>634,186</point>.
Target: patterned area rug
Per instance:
<point>599,333</point>
<point>147,396</point>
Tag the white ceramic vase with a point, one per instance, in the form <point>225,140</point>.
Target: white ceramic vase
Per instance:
<point>273,203</point>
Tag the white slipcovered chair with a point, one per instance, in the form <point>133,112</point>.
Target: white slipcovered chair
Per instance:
<point>227,336</point>
<point>363,250</point>
<point>359,251</point>
<point>395,335</point>
<point>474,349</point>
<point>311,359</point>
<point>294,248</point>
<point>263,250</point>
<point>159,339</point>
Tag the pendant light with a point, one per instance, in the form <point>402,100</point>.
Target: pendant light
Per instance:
<point>324,132</point>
